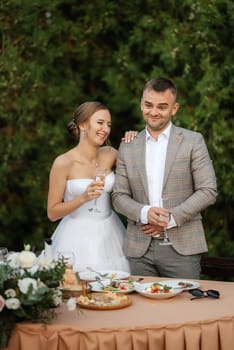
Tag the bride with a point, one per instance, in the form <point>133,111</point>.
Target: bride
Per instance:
<point>88,227</point>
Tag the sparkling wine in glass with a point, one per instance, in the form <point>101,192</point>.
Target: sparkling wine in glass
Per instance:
<point>165,240</point>
<point>99,177</point>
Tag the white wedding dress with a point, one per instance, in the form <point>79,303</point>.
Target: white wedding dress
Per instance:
<point>93,233</point>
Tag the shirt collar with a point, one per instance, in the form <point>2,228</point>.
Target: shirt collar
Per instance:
<point>165,133</point>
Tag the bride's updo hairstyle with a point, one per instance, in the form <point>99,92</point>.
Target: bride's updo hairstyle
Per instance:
<point>81,115</point>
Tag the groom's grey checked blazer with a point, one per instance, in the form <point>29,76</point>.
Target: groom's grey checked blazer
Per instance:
<point>189,186</point>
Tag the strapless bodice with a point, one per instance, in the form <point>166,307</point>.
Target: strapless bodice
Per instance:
<point>101,209</point>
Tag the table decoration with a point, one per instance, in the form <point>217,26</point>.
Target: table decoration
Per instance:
<point>29,290</point>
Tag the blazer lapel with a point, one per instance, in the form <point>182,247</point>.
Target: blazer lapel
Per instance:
<point>174,142</point>
<point>140,159</point>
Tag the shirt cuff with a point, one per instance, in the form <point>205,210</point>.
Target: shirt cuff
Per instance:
<point>144,214</point>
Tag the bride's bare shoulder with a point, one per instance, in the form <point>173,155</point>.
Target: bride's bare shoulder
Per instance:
<point>108,156</point>
<point>64,159</point>
<point>108,151</point>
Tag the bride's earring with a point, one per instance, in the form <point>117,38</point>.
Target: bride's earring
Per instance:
<point>83,134</point>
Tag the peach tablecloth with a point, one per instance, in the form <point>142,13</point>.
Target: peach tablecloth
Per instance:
<point>172,324</point>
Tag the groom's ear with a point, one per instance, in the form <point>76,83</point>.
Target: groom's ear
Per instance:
<point>175,108</point>
<point>141,105</point>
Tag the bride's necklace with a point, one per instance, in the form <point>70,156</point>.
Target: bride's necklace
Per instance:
<point>97,163</point>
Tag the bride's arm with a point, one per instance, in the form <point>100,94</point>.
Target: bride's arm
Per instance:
<point>56,207</point>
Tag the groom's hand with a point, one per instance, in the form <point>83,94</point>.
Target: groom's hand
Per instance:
<point>159,217</point>
<point>151,230</point>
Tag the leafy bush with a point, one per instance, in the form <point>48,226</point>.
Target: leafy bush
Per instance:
<point>57,54</point>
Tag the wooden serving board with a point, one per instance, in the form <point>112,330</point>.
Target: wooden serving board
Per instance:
<point>102,296</point>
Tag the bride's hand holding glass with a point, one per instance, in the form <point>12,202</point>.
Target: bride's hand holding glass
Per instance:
<point>97,188</point>
<point>98,185</point>
<point>94,190</point>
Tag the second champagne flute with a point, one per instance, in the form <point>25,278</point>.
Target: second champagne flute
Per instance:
<point>165,240</point>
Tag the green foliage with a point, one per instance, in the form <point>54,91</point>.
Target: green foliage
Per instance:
<point>52,280</point>
<point>57,54</point>
<point>28,293</point>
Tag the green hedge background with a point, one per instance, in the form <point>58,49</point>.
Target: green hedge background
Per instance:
<point>57,54</point>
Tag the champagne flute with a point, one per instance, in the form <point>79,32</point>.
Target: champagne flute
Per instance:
<point>99,177</point>
<point>165,240</point>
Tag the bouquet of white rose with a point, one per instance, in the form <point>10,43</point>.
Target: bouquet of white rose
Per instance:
<point>29,290</point>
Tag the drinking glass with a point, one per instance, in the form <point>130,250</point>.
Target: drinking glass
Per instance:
<point>165,240</point>
<point>99,177</point>
<point>3,253</point>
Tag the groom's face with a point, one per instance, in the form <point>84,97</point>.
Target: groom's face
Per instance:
<point>158,108</point>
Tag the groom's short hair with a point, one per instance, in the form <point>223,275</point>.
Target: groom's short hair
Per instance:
<point>160,85</point>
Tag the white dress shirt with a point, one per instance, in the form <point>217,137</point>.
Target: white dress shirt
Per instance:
<point>155,159</point>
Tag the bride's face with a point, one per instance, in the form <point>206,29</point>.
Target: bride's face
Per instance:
<point>99,126</point>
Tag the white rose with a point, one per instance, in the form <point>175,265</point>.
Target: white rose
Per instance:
<point>71,304</point>
<point>12,303</point>
<point>10,293</point>
<point>45,263</point>
<point>25,283</point>
<point>26,259</point>
<point>2,303</point>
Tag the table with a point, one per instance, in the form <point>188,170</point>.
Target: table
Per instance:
<point>172,324</point>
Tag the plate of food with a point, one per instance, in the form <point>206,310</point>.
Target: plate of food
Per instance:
<point>103,301</point>
<point>116,286</point>
<point>156,290</point>
<point>103,274</point>
<point>181,283</point>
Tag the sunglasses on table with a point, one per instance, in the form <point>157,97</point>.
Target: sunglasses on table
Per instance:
<point>198,293</point>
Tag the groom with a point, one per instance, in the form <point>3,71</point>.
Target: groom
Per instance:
<point>170,165</point>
